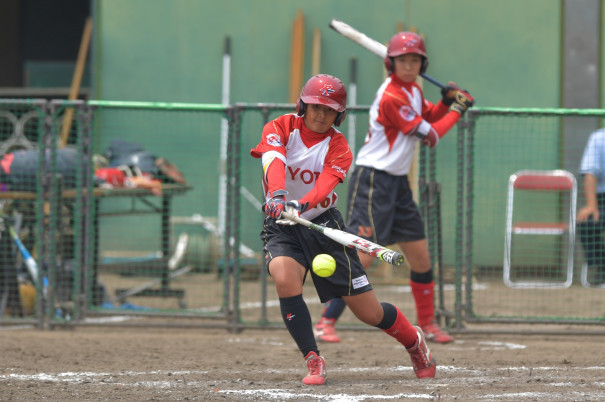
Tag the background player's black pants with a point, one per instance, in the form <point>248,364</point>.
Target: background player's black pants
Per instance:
<point>591,236</point>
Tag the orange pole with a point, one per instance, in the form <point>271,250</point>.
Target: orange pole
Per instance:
<point>296,56</point>
<point>76,81</point>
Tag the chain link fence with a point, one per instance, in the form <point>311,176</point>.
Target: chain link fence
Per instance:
<point>520,258</point>
<point>144,213</point>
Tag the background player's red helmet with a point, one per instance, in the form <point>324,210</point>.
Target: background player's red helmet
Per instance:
<point>404,43</point>
<point>324,89</point>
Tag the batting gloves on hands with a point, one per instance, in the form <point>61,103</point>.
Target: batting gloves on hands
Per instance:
<point>448,93</point>
<point>276,204</point>
<point>294,208</point>
<point>431,139</point>
<point>463,101</point>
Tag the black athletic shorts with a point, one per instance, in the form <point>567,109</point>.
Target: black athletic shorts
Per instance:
<point>381,208</point>
<point>303,244</point>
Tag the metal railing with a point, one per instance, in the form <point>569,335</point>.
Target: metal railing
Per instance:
<point>123,256</point>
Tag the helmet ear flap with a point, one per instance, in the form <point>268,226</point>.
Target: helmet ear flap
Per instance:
<point>388,63</point>
<point>340,118</point>
<point>425,65</point>
<point>301,107</point>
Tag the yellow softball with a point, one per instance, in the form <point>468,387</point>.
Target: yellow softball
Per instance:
<point>324,265</point>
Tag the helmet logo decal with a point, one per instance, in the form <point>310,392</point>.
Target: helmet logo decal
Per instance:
<point>411,42</point>
<point>327,90</point>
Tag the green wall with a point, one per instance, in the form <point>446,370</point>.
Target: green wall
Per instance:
<point>506,53</point>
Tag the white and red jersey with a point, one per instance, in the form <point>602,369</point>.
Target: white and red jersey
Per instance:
<point>309,158</point>
<point>398,112</point>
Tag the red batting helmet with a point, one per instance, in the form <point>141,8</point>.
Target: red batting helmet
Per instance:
<point>404,43</point>
<point>324,89</point>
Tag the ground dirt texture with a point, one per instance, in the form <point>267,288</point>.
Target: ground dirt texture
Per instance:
<point>121,363</point>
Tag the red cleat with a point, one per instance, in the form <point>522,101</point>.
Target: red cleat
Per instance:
<point>317,369</point>
<point>422,358</point>
<point>434,333</point>
<point>325,331</point>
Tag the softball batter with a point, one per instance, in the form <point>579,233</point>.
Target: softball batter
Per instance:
<point>304,157</point>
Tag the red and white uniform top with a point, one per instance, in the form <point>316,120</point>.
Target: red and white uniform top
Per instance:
<point>398,112</point>
<point>308,165</point>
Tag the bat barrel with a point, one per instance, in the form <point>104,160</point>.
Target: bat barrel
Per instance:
<point>350,240</point>
<point>370,44</point>
<point>392,257</point>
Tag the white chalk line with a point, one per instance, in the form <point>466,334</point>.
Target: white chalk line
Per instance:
<point>457,345</point>
<point>16,327</point>
<point>244,306</point>
<point>71,376</point>
<point>315,300</point>
<point>279,394</point>
<point>179,380</point>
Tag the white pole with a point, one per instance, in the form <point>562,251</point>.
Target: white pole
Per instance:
<point>222,190</point>
<point>352,100</point>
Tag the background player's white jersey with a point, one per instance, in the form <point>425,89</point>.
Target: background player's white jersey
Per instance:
<point>395,115</point>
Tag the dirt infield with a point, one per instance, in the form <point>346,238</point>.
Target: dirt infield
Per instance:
<point>93,363</point>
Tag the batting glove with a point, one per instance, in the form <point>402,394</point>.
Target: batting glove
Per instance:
<point>294,208</point>
<point>463,101</point>
<point>274,206</point>
<point>430,140</point>
<point>448,93</point>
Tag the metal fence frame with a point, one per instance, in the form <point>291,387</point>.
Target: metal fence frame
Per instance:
<point>464,310</point>
<point>19,141</point>
<point>49,190</point>
<point>429,204</point>
<point>226,318</point>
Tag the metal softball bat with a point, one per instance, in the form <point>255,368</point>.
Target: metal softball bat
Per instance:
<point>370,44</point>
<point>350,240</point>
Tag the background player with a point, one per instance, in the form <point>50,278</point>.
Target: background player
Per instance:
<point>304,157</point>
<point>380,204</point>
<point>591,217</point>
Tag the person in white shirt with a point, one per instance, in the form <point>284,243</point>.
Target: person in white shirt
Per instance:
<point>591,217</point>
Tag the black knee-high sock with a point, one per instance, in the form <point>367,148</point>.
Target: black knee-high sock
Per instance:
<point>297,318</point>
<point>426,277</point>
